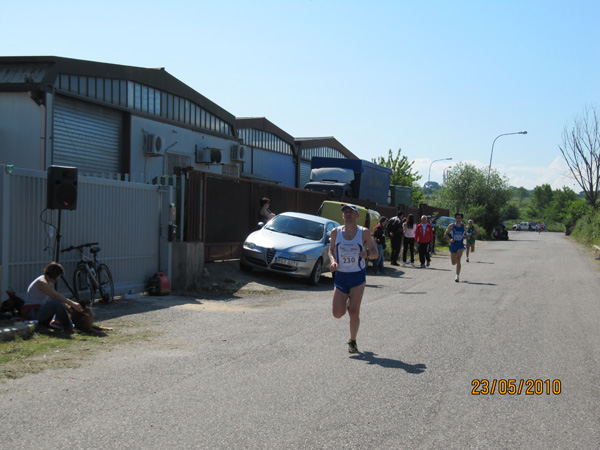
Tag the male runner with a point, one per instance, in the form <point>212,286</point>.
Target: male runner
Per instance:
<point>471,233</point>
<point>456,231</point>
<point>351,245</point>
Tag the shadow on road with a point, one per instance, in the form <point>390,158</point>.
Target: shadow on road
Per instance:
<point>479,284</point>
<point>372,359</point>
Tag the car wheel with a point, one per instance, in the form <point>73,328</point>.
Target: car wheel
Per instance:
<point>245,267</point>
<point>315,275</point>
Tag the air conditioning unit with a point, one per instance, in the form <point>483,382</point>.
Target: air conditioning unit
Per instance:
<point>154,144</point>
<point>237,153</point>
<point>208,155</point>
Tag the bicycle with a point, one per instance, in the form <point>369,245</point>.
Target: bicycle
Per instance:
<point>91,275</point>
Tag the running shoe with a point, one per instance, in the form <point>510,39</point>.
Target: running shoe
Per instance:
<point>467,259</point>
<point>457,279</point>
<point>422,266</point>
<point>352,348</point>
<point>428,263</point>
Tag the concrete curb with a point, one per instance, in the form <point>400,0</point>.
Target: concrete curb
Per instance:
<point>21,329</point>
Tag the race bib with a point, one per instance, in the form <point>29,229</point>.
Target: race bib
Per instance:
<point>348,256</point>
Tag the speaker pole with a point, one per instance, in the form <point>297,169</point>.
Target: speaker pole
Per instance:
<point>58,236</point>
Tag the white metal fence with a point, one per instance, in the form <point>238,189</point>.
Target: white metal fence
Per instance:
<point>130,221</point>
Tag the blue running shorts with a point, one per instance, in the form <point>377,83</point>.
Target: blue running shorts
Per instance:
<point>456,246</point>
<point>345,281</point>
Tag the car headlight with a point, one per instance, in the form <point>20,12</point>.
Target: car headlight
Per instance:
<point>298,256</point>
<point>250,245</point>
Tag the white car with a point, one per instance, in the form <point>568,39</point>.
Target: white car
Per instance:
<point>296,244</point>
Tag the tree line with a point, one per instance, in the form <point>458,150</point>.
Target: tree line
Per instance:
<point>467,189</point>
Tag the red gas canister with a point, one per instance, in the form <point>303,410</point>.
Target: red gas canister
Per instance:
<point>159,284</point>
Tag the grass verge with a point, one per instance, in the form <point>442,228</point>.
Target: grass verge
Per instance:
<point>48,349</point>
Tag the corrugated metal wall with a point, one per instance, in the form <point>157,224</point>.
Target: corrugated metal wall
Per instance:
<point>304,173</point>
<point>124,218</point>
<point>274,166</point>
<point>222,210</point>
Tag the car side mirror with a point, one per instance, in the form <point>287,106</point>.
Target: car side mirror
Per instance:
<point>328,237</point>
<point>260,225</point>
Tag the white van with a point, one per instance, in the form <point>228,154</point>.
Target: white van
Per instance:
<point>525,226</point>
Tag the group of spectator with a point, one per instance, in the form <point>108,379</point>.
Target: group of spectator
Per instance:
<point>404,233</point>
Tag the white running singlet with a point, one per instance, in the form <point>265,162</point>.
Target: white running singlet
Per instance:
<point>346,251</point>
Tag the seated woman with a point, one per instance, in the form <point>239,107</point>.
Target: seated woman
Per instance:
<point>44,304</point>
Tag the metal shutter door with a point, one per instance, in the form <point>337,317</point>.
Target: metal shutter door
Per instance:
<point>86,136</point>
<point>304,174</point>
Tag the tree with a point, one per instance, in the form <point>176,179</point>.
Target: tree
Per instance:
<point>510,212</point>
<point>402,173</point>
<point>559,207</point>
<point>581,150</point>
<point>466,191</point>
<point>522,193</point>
<point>542,196</point>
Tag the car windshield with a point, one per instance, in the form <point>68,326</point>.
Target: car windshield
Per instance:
<point>444,221</point>
<point>295,226</point>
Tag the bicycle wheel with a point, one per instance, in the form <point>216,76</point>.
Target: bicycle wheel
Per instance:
<point>82,286</point>
<point>106,284</point>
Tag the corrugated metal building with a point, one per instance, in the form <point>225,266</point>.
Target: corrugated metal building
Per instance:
<point>273,155</point>
<point>130,122</point>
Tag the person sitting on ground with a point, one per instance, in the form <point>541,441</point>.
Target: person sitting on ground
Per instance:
<point>44,304</point>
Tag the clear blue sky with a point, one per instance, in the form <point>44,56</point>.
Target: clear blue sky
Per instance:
<point>435,78</point>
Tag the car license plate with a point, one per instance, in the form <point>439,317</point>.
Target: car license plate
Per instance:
<point>287,262</point>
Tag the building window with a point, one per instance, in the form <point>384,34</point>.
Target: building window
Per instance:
<point>107,90</point>
<point>151,100</point>
<point>115,92</point>
<point>136,96</point>
<point>91,82</point>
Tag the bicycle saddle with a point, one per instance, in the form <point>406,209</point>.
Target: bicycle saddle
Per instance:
<point>95,249</point>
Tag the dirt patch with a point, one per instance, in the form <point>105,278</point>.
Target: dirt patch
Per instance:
<point>224,279</point>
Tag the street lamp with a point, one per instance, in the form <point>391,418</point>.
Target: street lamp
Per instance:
<point>443,159</point>
<point>444,175</point>
<point>492,153</point>
<point>487,184</point>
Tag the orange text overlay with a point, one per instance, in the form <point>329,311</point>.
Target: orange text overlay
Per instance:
<point>494,386</point>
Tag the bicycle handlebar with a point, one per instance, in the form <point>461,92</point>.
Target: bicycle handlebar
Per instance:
<point>78,247</point>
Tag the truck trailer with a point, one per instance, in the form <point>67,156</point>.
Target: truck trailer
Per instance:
<point>354,178</point>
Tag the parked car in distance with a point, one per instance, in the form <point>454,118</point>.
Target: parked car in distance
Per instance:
<point>292,243</point>
<point>526,226</point>
<point>368,218</point>
<point>443,222</point>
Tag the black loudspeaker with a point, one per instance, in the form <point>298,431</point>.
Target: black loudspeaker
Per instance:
<point>62,188</point>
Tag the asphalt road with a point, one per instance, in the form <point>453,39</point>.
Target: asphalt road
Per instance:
<point>272,371</point>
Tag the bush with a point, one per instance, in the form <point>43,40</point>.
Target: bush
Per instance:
<point>440,239</point>
<point>587,229</point>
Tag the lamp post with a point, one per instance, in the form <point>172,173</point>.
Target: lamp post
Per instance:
<point>443,159</point>
<point>444,175</point>
<point>492,153</point>
<point>487,185</point>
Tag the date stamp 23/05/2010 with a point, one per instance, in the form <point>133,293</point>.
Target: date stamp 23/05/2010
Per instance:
<point>508,386</point>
